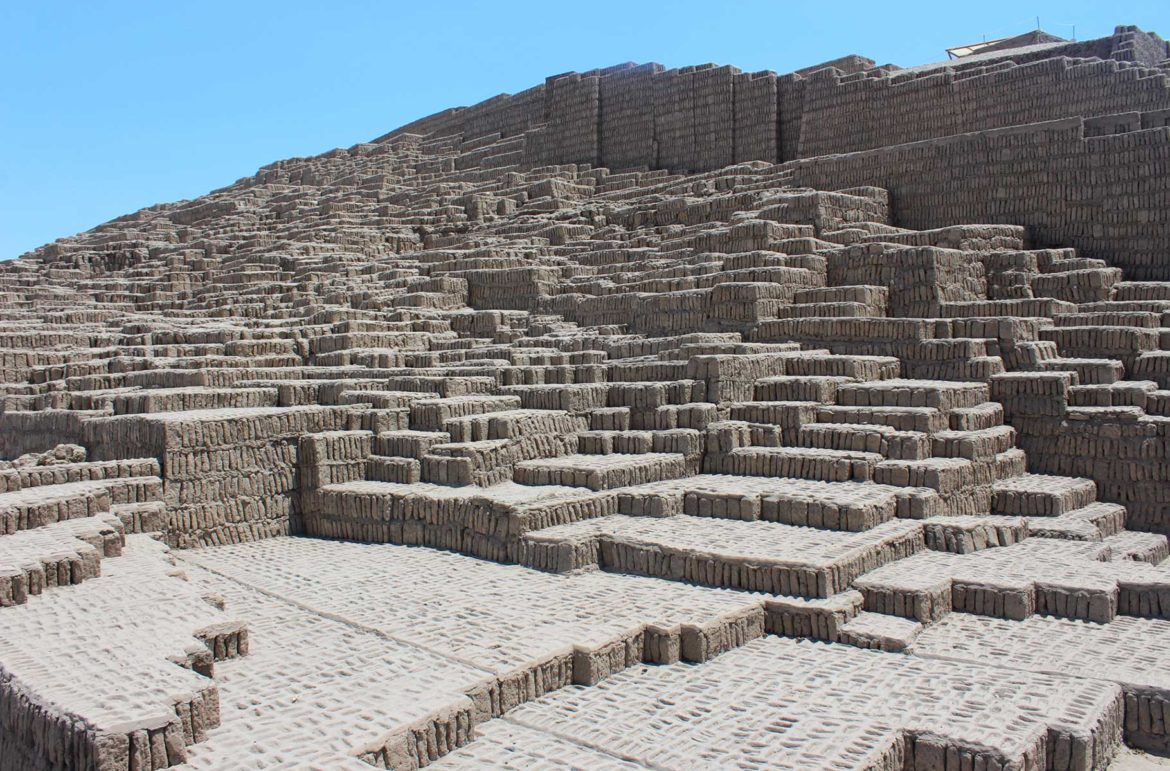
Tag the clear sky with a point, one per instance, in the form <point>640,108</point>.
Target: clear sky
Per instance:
<point>106,107</point>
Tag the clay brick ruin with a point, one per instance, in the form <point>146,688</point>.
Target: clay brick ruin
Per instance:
<point>646,418</point>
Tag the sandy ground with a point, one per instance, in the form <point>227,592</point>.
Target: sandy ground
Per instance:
<point>1135,760</point>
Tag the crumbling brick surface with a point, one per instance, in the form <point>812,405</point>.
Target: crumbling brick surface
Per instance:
<point>521,435</point>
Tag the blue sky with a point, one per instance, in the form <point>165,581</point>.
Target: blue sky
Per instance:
<point>106,107</point>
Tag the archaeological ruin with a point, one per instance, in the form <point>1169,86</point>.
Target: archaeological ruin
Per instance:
<point>645,419</point>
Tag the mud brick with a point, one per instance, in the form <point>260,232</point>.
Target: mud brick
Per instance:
<point>654,362</point>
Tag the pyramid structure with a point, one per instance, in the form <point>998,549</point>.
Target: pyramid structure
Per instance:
<point>647,418</point>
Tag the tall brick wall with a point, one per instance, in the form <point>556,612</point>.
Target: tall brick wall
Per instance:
<point>627,127</point>
<point>703,117</point>
<point>572,106</point>
<point>756,131</point>
<point>790,90</point>
<point>974,140</point>
<point>845,114</point>
<point>1044,176</point>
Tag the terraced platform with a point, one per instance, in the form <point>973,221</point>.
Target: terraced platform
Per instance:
<point>644,419</point>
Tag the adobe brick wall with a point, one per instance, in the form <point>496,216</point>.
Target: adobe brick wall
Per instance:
<point>704,117</point>
<point>1047,177</point>
<point>843,114</point>
<point>1014,137</point>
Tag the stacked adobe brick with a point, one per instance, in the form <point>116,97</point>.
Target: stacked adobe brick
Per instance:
<point>693,325</point>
